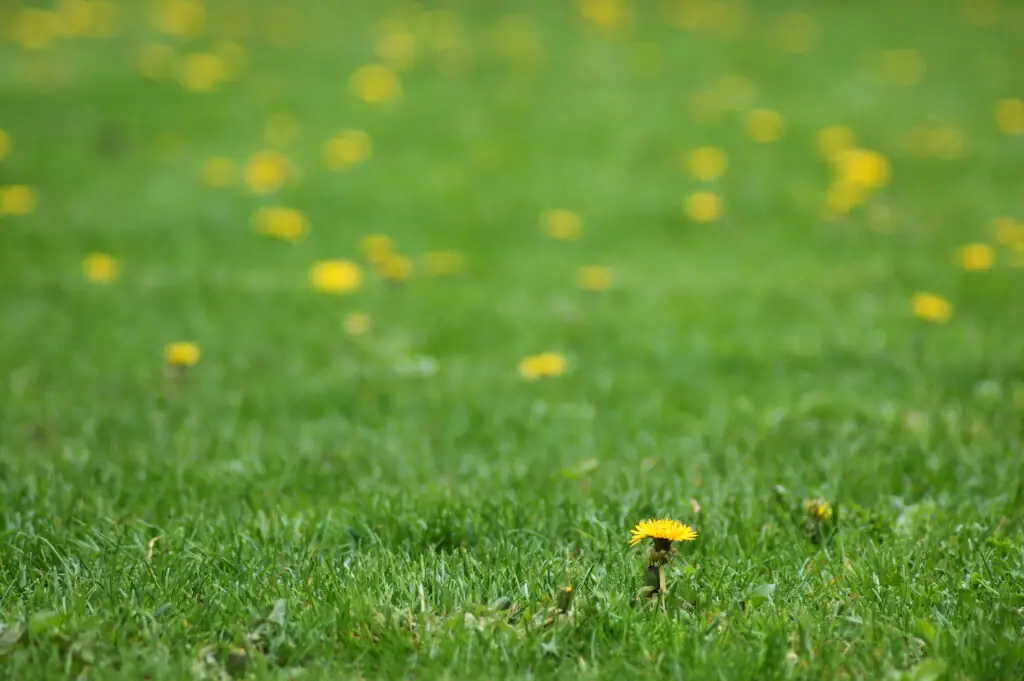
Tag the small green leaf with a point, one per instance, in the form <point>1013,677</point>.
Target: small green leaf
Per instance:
<point>43,621</point>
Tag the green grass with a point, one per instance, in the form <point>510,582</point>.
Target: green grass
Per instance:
<point>313,499</point>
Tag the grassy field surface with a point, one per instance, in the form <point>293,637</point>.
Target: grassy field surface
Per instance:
<point>351,339</point>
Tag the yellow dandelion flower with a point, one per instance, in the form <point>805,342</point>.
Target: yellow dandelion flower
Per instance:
<point>202,72</point>
<point>842,197</point>
<point>397,47</point>
<point>797,32</point>
<point>219,171</point>
<point>543,365</point>
<point>103,18</point>
<point>75,17</point>
<point>5,145</point>
<point>706,163</point>
<point>834,140</point>
<point>594,278</point>
<point>1007,231</point>
<point>395,268</point>
<point>357,323</point>
<point>764,125</point>
<point>377,248</point>
<point>17,199</point>
<point>818,509</point>
<point>863,168</point>
<point>606,14</point>
<point>100,268</point>
<point>156,61</point>
<point>663,531</point>
<point>902,67</point>
<point>931,307</point>
<point>181,354</point>
<point>376,84</point>
<point>266,172</point>
<point>563,225</point>
<point>976,257</point>
<point>1010,116</point>
<point>347,149</point>
<point>35,29</point>
<point>703,206</point>
<point>336,276</point>
<point>287,224</point>
<point>444,263</point>
<point>181,18</point>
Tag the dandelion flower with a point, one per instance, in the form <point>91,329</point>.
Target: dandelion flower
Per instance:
<point>180,18</point>
<point>266,172</point>
<point>1010,116</point>
<point>347,149</point>
<point>863,167</point>
<point>219,171</point>
<point>563,225</point>
<point>706,163</point>
<point>594,278</point>
<point>764,125</point>
<point>976,257</point>
<point>606,14</point>
<point>287,224</point>
<point>394,267</point>
<point>931,307</point>
<point>181,354</point>
<point>336,276</point>
<point>1007,231</point>
<point>376,84</point>
<point>17,199</point>
<point>544,365</point>
<point>663,532</point>
<point>834,140</point>
<point>397,47</point>
<point>818,509</point>
<point>703,206</point>
<point>100,268</point>
<point>377,248</point>
<point>202,71</point>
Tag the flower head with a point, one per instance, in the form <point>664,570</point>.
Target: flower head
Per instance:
<point>544,365</point>
<point>100,267</point>
<point>181,354</point>
<point>664,529</point>
<point>931,307</point>
<point>818,509</point>
<point>336,276</point>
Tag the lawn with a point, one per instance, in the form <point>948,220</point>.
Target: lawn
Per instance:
<point>352,339</point>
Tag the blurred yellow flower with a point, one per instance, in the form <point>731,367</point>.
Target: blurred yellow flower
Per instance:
<point>561,224</point>
<point>75,17</point>
<point>394,268</point>
<point>444,263</point>
<point>606,14</point>
<point>818,509</point>
<point>931,307</point>
<point>348,148</point>
<point>336,276</point>
<point>976,257</point>
<point>156,61</point>
<point>181,354</point>
<point>103,18</point>
<point>703,206</point>
<point>376,84</point>
<point>834,140</point>
<point>863,168</point>
<point>281,130</point>
<point>357,323</point>
<point>287,224</point>
<point>5,145</point>
<point>397,47</point>
<point>797,32</point>
<point>181,18</point>
<point>1010,116</point>
<point>266,172</point>
<point>544,365</point>
<point>706,163</point>
<point>764,125</point>
<point>202,71</point>
<point>842,197</point>
<point>377,248</point>
<point>35,29</point>
<point>1007,230</point>
<point>903,67</point>
<point>594,278</point>
<point>17,199</point>
<point>101,268</point>
<point>219,171</point>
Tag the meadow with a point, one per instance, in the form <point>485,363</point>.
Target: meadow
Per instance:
<point>352,339</point>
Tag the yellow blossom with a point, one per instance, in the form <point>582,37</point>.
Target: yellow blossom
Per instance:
<point>834,140</point>
<point>202,71</point>
<point>563,225</point>
<point>863,168</point>
<point>842,197</point>
<point>376,84</point>
<point>156,61</point>
<point>606,14</point>
<point>5,145</point>
<point>706,163</point>
<point>663,530</point>
<point>219,171</point>
<point>75,17</point>
<point>444,263</point>
<point>764,125</point>
<point>931,307</point>
<point>17,199</point>
<point>336,276</point>
<point>181,18</point>
<point>347,149</point>
<point>101,268</point>
<point>181,354</point>
<point>818,509</point>
<point>35,29</point>
<point>976,257</point>
<point>377,248</point>
<point>397,47</point>
<point>287,224</point>
<point>1007,230</point>
<point>594,278</point>
<point>703,206</point>
<point>395,268</point>
<point>544,365</point>
<point>1010,116</point>
<point>103,18</point>
<point>357,323</point>
<point>266,172</point>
